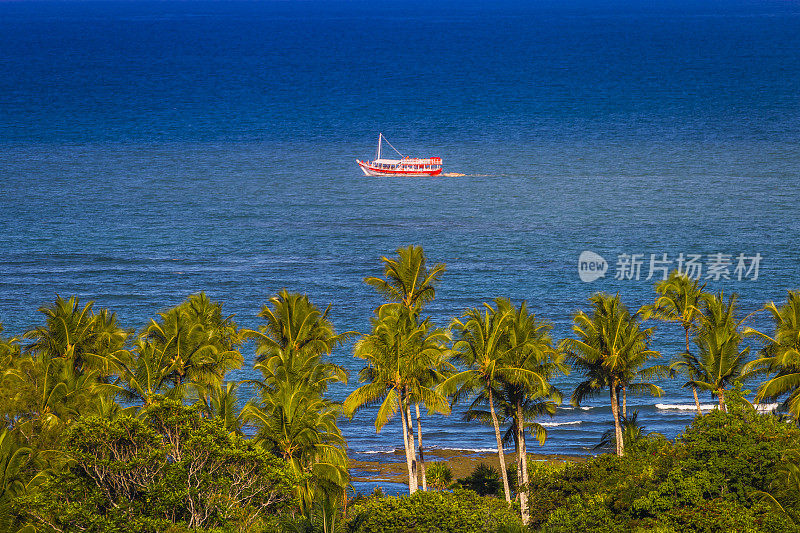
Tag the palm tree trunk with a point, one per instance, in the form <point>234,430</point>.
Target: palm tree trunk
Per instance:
<point>522,475</point>
<point>721,395</point>
<point>503,473</point>
<point>696,400</point>
<point>412,485</point>
<point>518,459</point>
<point>694,388</point>
<point>421,455</point>
<point>686,330</point>
<point>412,447</point>
<point>624,403</point>
<point>617,427</point>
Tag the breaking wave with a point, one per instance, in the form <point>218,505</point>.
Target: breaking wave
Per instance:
<point>765,407</point>
<point>372,452</point>
<point>761,407</point>
<point>472,450</point>
<point>686,406</point>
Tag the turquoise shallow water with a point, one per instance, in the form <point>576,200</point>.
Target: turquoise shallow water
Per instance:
<point>136,170</point>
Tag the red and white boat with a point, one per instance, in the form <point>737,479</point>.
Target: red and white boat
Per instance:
<point>406,166</point>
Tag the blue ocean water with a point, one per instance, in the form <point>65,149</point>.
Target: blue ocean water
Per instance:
<point>149,150</point>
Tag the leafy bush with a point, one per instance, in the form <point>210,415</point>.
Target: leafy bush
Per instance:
<point>461,511</point>
<point>439,475</point>
<point>583,514</point>
<point>725,515</point>
<point>707,480</point>
<point>742,450</point>
<point>485,480</point>
<point>171,468</point>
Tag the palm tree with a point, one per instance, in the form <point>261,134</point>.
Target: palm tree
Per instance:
<point>14,457</point>
<point>507,399</point>
<point>403,359</point>
<point>299,426</point>
<point>480,347</point>
<point>89,341</point>
<point>680,299</point>
<point>294,339</point>
<point>441,475</point>
<point>780,354</point>
<point>719,361</point>
<point>292,415</point>
<point>13,404</point>
<point>409,282</point>
<point>385,350</point>
<point>9,349</point>
<point>430,366</point>
<point>52,394</point>
<point>222,404</point>
<point>196,343</point>
<point>609,349</point>
<point>530,363</point>
<point>408,279</point>
<point>150,373</point>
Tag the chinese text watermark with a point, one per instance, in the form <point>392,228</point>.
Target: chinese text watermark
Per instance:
<point>717,266</point>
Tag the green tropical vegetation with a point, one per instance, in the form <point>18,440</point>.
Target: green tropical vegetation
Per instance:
<point>440,475</point>
<point>293,418</point>
<point>780,355</point>
<point>680,299</point>
<point>711,478</point>
<point>109,428</point>
<point>720,358</point>
<point>609,348</point>
<point>406,354</point>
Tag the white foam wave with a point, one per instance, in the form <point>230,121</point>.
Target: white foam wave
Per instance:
<point>452,449</point>
<point>761,407</point>
<point>371,452</point>
<point>556,424</point>
<point>765,407</point>
<point>686,406</point>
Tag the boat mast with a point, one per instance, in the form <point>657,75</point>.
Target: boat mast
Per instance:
<point>380,137</point>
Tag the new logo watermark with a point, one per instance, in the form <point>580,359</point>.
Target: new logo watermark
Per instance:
<point>717,266</point>
<point>591,266</point>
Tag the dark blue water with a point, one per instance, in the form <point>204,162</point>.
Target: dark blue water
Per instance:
<point>151,150</point>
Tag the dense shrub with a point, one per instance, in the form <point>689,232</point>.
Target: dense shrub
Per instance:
<point>707,480</point>
<point>741,450</point>
<point>461,511</point>
<point>170,469</point>
<point>439,475</point>
<point>485,480</point>
<point>582,514</point>
<point>723,516</point>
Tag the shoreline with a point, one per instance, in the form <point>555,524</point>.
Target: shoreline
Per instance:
<point>461,463</point>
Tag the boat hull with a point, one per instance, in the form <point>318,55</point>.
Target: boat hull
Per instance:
<point>372,171</point>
